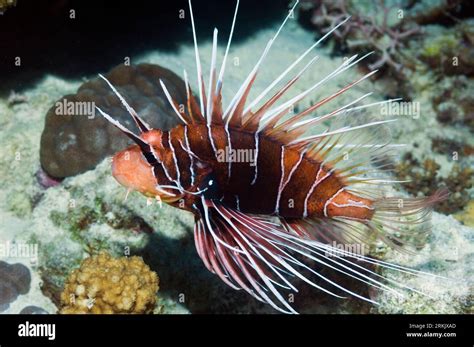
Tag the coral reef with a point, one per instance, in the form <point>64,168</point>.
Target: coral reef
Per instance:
<point>453,101</point>
<point>15,280</point>
<point>430,11</point>
<point>76,138</point>
<point>41,217</point>
<point>449,51</point>
<point>104,284</point>
<point>80,218</point>
<point>381,27</point>
<point>424,179</point>
<point>409,47</point>
<point>84,219</point>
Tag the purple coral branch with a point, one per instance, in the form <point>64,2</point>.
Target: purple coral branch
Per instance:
<point>328,13</point>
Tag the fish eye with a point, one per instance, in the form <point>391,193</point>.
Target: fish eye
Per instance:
<point>211,182</point>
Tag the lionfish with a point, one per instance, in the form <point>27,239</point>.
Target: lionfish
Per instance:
<point>259,225</point>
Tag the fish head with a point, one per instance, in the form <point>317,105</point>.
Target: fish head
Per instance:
<point>132,169</point>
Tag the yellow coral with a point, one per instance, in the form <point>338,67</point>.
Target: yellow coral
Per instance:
<point>104,284</point>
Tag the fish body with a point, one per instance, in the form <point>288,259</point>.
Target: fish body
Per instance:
<point>281,181</point>
<point>267,199</point>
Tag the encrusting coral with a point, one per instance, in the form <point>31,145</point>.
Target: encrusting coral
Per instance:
<point>424,179</point>
<point>104,284</point>
<point>453,102</point>
<point>449,51</point>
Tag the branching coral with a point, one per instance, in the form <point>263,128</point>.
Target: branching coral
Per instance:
<point>103,284</point>
<point>384,31</point>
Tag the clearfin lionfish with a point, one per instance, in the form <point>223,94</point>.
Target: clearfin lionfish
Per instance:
<point>259,225</point>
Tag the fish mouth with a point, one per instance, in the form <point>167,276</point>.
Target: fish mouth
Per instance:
<point>131,170</point>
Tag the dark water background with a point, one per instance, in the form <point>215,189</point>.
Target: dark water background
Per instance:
<point>104,32</point>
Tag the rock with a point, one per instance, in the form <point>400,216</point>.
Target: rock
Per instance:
<point>449,254</point>
<point>76,138</point>
<point>33,310</point>
<point>449,50</point>
<point>15,280</point>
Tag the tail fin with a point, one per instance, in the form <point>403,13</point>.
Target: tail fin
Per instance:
<point>402,223</point>
<point>405,223</point>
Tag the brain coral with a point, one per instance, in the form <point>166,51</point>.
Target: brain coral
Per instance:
<point>74,141</point>
<point>104,284</point>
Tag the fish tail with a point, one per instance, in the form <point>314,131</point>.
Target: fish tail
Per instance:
<point>405,223</point>
<point>402,223</point>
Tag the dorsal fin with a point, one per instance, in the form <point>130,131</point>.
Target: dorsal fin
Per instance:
<point>194,111</point>
<point>217,109</point>
<point>141,124</point>
<point>239,108</point>
<point>251,121</point>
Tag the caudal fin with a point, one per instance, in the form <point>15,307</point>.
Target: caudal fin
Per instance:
<point>402,223</point>
<point>405,223</point>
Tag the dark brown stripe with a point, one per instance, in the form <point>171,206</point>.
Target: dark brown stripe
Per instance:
<point>182,157</point>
